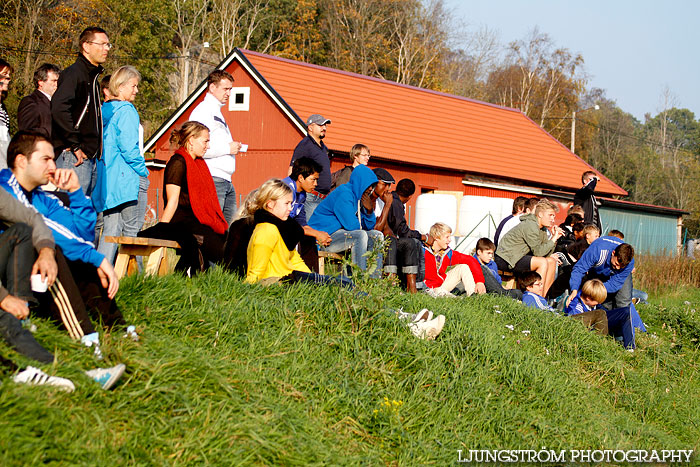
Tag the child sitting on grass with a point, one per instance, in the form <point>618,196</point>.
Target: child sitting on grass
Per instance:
<point>272,255</point>
<point>439,256</point>
<point>485,250</point>
<point>531,284</point>
<point>617,323</point>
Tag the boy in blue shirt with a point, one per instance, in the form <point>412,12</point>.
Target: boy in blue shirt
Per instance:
<point>617,322</point>
<point>532,287</point>
<point>485,250</point>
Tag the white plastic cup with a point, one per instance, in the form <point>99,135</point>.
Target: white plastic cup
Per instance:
<point>244,148</point>
<point>38,284</point>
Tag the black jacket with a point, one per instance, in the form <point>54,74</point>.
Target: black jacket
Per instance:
<point>585,197</point>
<point>397,219</point>
<point>76,111</point>
<point>34,114</point>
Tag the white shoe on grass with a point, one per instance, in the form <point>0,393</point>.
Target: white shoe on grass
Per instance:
<point>423,315</point>
<point>439,293</point>
<point>428,330</point>
<point>35,376</point>
<point>107,377</point>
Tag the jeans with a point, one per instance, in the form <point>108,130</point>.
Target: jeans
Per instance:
<point>86,172</point>
<point>313,278</point>
<point>495,287</point>
<point>311,203</point>
<point>403,251</point>
<point>620,299</point>
<point>114,224</point>
<point>132,226</point>
<point>227,198</point>
<point>359,242</point>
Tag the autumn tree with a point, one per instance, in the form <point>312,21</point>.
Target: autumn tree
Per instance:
<point>543,81</point>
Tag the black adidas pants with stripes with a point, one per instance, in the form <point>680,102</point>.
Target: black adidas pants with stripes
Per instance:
<point>76,297</point>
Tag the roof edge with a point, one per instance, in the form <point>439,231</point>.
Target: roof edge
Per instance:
<point>236,54</point>
<point>379,80</point>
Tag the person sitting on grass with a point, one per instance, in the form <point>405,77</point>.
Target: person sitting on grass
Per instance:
<point>585,308</point>
<point>527,246</point>
<point>196,222</point>
<point>17,252</point>
<point>86,283</point>
<point>530,283</point>
<point>272,255</point>
<point>439,256</point>
<point>485,249</point>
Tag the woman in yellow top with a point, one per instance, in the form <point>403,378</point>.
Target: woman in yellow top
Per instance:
<point>272,248</point>
<point>271,251</point>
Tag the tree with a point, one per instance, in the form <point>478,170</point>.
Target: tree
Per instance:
<point>544,82</point>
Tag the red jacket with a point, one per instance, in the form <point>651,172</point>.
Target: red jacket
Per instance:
<point>436,266</point>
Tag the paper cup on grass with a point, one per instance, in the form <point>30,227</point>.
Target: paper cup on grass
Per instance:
<point>39,284</point>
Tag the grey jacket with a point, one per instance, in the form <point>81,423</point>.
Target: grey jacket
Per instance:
<point>525,238</point>
<point>14,212</point>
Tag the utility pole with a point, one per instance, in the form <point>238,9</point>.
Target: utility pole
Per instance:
<point>184,89</point>
<point>573,125</point>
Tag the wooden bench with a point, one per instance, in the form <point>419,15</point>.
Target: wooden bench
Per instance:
<point>153,248</point>
<point>323,255</point>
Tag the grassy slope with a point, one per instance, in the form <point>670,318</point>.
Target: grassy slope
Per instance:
<point>230,373</point>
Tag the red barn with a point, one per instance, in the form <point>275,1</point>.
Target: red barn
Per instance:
<point>441,141</point>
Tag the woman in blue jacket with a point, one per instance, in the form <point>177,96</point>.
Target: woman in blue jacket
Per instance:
<point>121,173</point>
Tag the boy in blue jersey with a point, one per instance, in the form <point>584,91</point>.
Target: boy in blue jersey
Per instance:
<point>86,279</point>
<point>610,260</point>
<point>532,287</point>
<point>585,308</point>
<point>485,250</point>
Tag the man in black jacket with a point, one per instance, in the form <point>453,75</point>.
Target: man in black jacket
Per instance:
<point>75,107</point>
<point>34,111</point>
<point>585,197</point>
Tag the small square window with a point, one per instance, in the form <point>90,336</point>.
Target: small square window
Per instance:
<point>239,100</point>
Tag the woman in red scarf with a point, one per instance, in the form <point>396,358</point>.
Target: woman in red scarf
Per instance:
<point>195,222</point>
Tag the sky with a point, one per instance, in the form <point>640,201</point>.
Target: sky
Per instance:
<point>632,49</point>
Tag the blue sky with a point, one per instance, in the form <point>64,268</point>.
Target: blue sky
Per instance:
<point>632,49</point>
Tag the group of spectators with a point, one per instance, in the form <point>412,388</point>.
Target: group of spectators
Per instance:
<point>75,174</point>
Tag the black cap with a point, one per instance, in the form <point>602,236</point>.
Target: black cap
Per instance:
<point>383,175</point>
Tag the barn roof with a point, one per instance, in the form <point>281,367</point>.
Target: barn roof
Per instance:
<point>417,126</point>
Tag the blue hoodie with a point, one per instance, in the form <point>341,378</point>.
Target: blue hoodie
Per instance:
<point>596,258</point>
<point>73,229</point>
<point>122,163</point>
<point>340,208</point>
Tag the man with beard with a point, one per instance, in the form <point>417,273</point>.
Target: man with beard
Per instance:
<point>312,147</point>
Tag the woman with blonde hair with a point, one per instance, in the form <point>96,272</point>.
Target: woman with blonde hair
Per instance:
<point>271,251</point>
<point>122,176</point>
<point>195,222</point>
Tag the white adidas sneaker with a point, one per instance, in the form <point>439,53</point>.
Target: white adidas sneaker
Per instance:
<point>35,376</point>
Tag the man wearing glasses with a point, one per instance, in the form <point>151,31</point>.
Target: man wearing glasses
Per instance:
<point>76,109</point>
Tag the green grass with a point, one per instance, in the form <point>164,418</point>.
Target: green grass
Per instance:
<point>227,373</point>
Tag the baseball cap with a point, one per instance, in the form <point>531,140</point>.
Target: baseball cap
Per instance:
<point>383,175</point>
<point>318,120</point>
